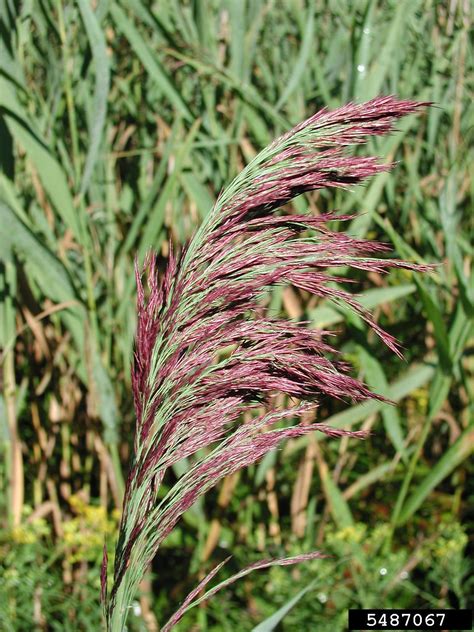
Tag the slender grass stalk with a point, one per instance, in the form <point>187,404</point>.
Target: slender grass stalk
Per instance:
<point>71,110</point>
<point>204,352</point>
<point>13,452</point>
<point>80,207</point>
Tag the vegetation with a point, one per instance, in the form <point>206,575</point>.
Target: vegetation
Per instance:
<point>120,123</point>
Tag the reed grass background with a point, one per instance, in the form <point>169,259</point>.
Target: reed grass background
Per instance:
<point>120,123</point>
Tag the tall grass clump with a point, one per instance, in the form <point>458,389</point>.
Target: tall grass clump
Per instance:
<point>207,351</point>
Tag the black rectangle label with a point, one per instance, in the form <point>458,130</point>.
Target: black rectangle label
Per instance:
<point>410,619</point>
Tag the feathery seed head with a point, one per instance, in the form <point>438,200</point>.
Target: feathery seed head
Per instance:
<point>205,352</point>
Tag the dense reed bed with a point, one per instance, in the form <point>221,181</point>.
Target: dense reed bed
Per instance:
<point>120,124</point>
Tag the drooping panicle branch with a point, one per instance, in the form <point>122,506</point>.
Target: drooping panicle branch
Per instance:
<point>205,352</point>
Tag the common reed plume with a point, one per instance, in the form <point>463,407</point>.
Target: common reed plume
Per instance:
<point>205,351</point>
